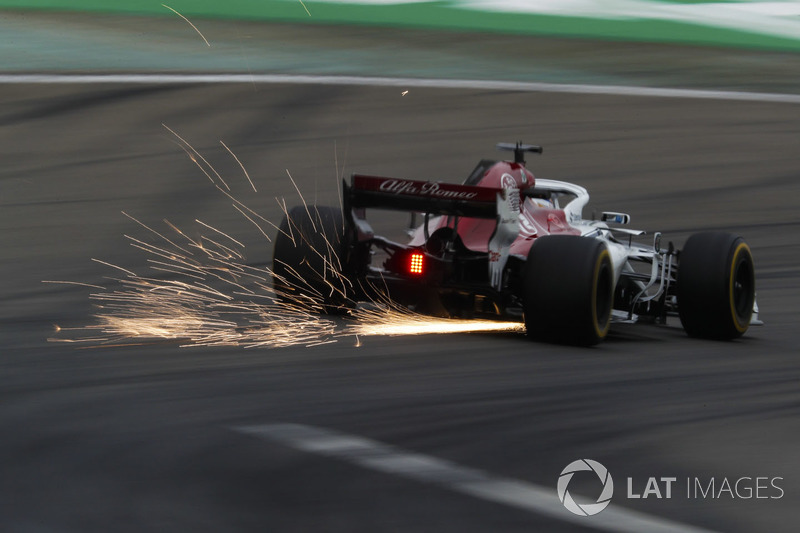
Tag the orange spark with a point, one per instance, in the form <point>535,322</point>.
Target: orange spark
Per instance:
<point>198,154</point>
<point>74,283</point>
<point>190,23</point>
<point>241,165</point>
<point>213,298</point>
<point>304,7</point>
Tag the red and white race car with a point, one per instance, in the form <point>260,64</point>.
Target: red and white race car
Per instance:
<point>506,245</point>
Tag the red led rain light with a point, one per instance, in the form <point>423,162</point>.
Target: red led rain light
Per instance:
<point>415,264</point>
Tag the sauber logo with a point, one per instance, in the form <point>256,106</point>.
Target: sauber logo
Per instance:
<point>424,189</point>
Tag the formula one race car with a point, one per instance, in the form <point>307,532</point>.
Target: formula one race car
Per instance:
<point>505,245</point>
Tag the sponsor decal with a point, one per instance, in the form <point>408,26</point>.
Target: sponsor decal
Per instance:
<point>425,188</point>
<point>507,181</point>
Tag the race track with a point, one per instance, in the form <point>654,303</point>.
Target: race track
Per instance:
<point>148,438</point>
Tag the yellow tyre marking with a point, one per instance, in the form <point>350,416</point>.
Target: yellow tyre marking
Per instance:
<point>741,328</point>
<point>601,332</point>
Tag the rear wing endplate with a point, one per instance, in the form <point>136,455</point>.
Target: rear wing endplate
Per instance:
<point>422,196</point>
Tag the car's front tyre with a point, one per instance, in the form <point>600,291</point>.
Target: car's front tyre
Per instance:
<point>715,286</point>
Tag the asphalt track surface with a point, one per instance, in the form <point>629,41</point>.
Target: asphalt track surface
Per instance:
<point>144,438</point>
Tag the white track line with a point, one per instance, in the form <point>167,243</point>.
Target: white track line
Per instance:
<point>520,86</point>
<point>388,459</point>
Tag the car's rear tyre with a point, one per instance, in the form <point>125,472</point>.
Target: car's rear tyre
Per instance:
<point>716,286</point>
<point>568,290</point>
<point>309,259</point>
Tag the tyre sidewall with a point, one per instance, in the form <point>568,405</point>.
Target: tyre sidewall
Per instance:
<point>568,290</point>
<point>712,266</point>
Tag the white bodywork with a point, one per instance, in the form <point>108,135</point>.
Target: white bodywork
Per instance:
<point>619,242</point>
<point>624,252</point>
<point>588,228</point>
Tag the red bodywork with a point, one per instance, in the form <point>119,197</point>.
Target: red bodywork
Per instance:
<point>535,220</point>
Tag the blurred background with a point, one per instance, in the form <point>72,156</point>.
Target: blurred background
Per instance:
<point>734,45</point>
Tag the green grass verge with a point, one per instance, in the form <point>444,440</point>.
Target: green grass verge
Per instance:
<point>429,15</point>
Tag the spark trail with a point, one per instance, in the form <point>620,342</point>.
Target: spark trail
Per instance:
<point>189,22</point>
<point>202,292</point>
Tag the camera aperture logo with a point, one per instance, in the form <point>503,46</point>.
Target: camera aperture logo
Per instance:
<point>587,509</point>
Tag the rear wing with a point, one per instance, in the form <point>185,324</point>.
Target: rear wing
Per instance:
<point>423,196</point>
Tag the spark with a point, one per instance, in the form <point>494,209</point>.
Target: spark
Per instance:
<point>154,231</point>
<point>222,251</point>
<point>114,266</point>
<point>179,232</point>
<point>387,318</point>
<point>393,325</point>
<point>240,204</point>
<point>241,165</point>
<point>194,154</point>
<point>191,310</point>
<point>252,222</point>
<point>74,283</point>
<point>219,231</point>
<point>214,298</point>
<point>302,198</point>
<point>286,214</point>
<point>190,24</point>
<point>193,159</point>
<point>304,7</point>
